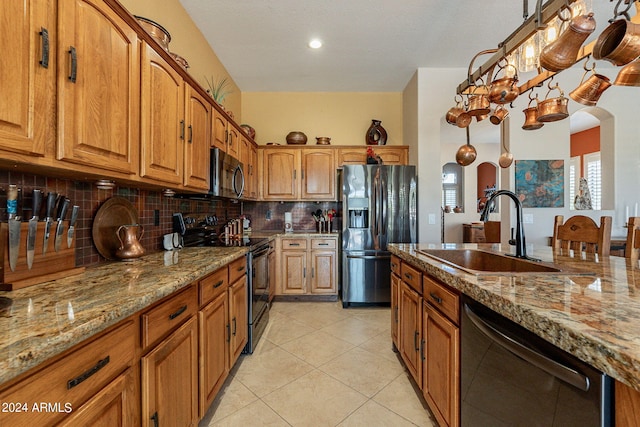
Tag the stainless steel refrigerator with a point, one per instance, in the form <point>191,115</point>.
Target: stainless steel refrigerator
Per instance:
<point>379,205</point>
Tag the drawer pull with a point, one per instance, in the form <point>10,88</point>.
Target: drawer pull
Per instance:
<point>77,380</point>
<point>294,244</point>
<point>408,276</point>
<point>217,285</point>
<point>178,312</point>
<point>323,244</point>
<point>74,64</point>
<point>154,418</point>
<point>44,60</point>
<point>240,268</point>
<point>435,297</point>
<point>393,265</point>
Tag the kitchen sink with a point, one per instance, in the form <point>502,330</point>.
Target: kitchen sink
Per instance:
<point>481,262</point>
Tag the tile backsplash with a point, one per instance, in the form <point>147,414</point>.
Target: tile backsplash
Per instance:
<point>149,204</point>
<point>270,215</point>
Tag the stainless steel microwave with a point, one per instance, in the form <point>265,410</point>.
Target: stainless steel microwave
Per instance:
<point>227,175</point>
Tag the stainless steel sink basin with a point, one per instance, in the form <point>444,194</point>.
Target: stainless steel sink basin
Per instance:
<point>480,262</point>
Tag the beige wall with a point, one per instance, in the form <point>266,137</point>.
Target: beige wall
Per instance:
<point>188,42</point>
<point>342,116</point>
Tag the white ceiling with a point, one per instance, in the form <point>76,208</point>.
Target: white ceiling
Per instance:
<point>369,45</point>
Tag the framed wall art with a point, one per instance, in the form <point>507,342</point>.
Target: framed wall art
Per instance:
<point>540,183</point>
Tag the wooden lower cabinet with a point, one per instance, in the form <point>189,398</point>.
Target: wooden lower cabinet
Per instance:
<point>627,405</point>
<point>170,379</point>
<point>112,406</point>
<point>411,330</point>
<point>214,349</point>
<point>239,318</point>
<point>308,266</point>
<point>85,381</point>
<point>395,310</point>
<point>441,366</point>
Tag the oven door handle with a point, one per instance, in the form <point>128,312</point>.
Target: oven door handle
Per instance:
<point>260,252</point>
<point>548,365</point>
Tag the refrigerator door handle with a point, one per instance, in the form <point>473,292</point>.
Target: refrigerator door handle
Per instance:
<point>383,201</point>
<point>413,212</point>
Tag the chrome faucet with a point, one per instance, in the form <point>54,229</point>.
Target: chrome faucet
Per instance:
<point>521,247</point>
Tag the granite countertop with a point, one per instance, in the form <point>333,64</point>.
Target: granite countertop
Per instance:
<point>46,319</point>
<point>594,317</point>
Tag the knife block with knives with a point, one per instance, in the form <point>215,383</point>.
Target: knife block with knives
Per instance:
<point>27,259</point>
<point>50,266</point>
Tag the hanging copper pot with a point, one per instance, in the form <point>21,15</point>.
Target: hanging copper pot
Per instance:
<point>531,116</point>
<point>563,52</point>
<point>629,75</point>
<point>458,115</point>
<point>479,104</point>
<point>505,89</point>
<point>619,43</point>
<point>553,109</point>
<point>467,153</point>
<point>588,92</point>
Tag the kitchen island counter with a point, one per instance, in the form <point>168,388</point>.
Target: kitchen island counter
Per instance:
<point>44,320</point>
<point>594,317</point>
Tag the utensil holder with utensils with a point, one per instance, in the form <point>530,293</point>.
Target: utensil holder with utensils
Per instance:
<point>49,266</point>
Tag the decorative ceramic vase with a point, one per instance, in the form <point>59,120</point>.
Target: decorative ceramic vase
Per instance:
<point>376,134</point>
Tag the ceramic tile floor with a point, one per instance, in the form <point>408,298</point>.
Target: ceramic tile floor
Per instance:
<point>320,365</point>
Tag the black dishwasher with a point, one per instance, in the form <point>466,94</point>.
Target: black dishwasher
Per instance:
<point>512,377</point>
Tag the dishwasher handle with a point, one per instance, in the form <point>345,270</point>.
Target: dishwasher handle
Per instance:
<point>548,365</point>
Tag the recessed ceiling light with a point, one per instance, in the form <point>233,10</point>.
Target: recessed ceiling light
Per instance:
<point>315,44</point>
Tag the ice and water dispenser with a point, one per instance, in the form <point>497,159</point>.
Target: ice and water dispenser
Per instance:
<point>359,212</point>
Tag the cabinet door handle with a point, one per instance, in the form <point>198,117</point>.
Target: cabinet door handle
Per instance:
<point>154,418</point>
<point>422,344</point>
<point>313,272</point>
<point>74,64</point>
<point>44,59</point>
<point>190,134</point>
<point>435,297</point>
<point>234,326</point>
<point>217,285</point>
<point>415,340</point>
<point>226,136</point>
<point>178,312</point>
<point>302,174</point>
<point>77,380</point>
<point>294,174</point>
<point>396,314</point>
<point>228,332</point>
<point>304,271</point>
<point>182,130</point>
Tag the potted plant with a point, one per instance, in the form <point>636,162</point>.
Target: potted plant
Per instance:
<point>218,89</point>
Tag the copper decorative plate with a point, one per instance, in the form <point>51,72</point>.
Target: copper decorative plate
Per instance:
<point>113,213</point>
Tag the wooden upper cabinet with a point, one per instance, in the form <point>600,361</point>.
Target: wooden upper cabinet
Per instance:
<point>318,174</point>
<point>198,140</point>
<point>98,87</point>
<point>390,155</point>
<point>162,119</point>
<point>254,171</point>
<point>233,141</point>
<point>280,174</point>
<point>219,130</point>
<point>27,80</point>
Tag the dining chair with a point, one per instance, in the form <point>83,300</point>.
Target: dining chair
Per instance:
<point>632,247</point>
<point>581,233</point>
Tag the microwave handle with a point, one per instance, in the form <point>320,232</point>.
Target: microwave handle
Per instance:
<point>237,170</point>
